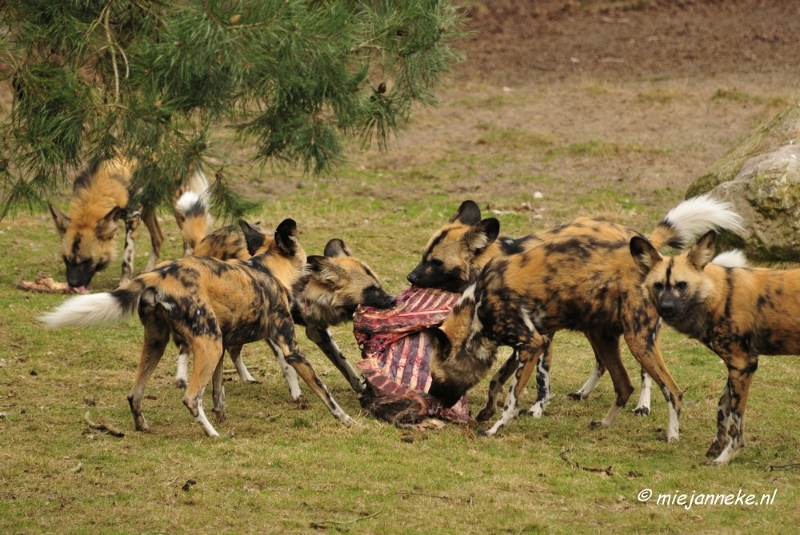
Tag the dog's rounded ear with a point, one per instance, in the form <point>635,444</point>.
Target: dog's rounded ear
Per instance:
<point>480,236</point>
<point>285,238</point>
<point>324,270</point>
<point>703,251</point>
<point>62,221</point>
<point>252,237</point>
<point>468,213</point>
<point>106,228</point>
<point>439,341</point>
<point>336,247</point>
<point>644,254</point>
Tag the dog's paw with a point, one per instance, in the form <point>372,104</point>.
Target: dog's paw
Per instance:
<point>349,422</point>
<point>485,414</point>
<point>180,384</point>
<point>302,402</point>
<point>576,396</point>
<point>642,411</point>
<point>714,450</point>
<point>536,411</point>
<point>594,424</point>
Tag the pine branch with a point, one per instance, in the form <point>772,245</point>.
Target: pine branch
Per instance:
<point>290,76</point>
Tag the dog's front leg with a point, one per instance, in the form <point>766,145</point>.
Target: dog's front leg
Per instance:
<point>542,383</point>
<point>591,382</point>
<point>324,339</point>
<point>723,409</point>
<point>244,374</point>
<point>642,330</point>
<point>129,253</point>
<point>730,419</point>
<point>302,366</point>
<point>527,362</point>
<point>643,405</point>
<point>150,219</point>
<point>290,375</point>
<point>499,379</point>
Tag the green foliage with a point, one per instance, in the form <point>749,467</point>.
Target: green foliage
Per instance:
<point>152,79</point>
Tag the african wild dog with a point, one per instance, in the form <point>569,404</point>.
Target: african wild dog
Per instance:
<point>738,313</point>
<point>582,278</point>
<point>209,305</point>
<point>328,295</point>
<point>191,213</point>
<point>452,260</point>
<point>101,198</point>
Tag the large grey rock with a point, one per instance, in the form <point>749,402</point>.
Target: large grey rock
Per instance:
<point>761,177</point>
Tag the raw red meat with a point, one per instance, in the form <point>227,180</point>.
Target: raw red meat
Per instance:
<point>396,355</point>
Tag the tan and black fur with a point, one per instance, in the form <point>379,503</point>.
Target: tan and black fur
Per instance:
<point>455,256</point>
<point>208,305</point>
<point>100,199</point>
<point>582,279</point>
<point>329,294</point>
<point>737,312</point>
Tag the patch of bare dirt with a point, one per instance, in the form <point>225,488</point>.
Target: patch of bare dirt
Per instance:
<point>545,40</point>
<point>570,98</point>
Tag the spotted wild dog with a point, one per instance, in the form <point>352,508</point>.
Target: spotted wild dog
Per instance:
<point>455,255</point>
<point>581,278</point>
<point>101,198</point>
<point>209,305</point>
<point>737,312</point>
<point>328,295</point>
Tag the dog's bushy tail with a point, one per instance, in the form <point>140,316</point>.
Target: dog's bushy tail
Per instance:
<point>731,259</point>
<point>95,309</point>
<point>192,206</point>
<point>693,218</point>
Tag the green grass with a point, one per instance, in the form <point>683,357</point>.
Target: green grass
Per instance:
<point>278,469</point>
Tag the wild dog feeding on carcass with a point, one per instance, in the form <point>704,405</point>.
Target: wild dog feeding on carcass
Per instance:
<point>334,286</point>
<point>455,255</point>
<point>584,281</point>
<point>101,198</point>
<point>737,312</point>
<point>208,305</point>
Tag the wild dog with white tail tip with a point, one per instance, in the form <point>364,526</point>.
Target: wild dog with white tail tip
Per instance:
<point>208,305</point>
<point>455,255</point>
<point>585,280</point>
<point>737,312</point>
<point>335,285</point>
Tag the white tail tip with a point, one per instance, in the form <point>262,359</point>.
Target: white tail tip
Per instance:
<point>85,310</point>
<point>731,259</point>
<point>696,216</point>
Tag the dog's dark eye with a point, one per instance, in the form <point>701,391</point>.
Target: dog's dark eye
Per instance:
<point>658,286</point>
<point>681,285</point>
<point>435,262</point>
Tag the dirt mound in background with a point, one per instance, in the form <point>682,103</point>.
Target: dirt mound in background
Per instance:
<point>517,41</point>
